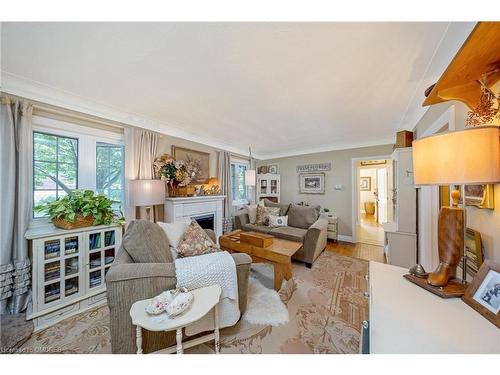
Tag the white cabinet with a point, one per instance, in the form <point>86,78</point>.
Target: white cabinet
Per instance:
<point>333,226</point>
<point>69,268</point>
<point>400,234</point>
<point>268,186</point>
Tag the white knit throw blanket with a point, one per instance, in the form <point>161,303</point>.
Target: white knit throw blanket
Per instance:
<point>211,269</point>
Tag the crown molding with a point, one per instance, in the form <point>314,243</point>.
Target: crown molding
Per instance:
<point>32,90</point>
<point>339,147</point>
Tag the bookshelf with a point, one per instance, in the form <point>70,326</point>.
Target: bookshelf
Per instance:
<point>69,270</point>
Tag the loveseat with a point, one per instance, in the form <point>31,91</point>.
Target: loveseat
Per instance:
<point>128,281</point>
<point>305,225</point>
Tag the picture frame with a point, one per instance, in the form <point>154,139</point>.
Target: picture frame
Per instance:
<point>365,183</point>
<point>273,168</point>
<point>483,293</point>
<point>181,153</point>
<point>480,196</point>
<point>312,183</point>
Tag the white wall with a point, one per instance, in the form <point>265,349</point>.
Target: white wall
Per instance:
<point>485,221</point>
<point>338,201</point>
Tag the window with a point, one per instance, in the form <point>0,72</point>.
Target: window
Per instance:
<point>109,172</point>
<point>73,154</point>
<point>238,187</point>
<point>55,167</point>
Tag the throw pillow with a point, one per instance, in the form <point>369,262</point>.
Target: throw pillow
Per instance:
<point>175,231</point>
<point>302,216</point>
<point>283,206</point>
<point>195,242</point>
<point>263,214</point>
<point>278,221</point>
<point>146,242</point>
<point>252,213</point>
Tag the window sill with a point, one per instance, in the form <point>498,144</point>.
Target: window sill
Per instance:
<point>240,203</point>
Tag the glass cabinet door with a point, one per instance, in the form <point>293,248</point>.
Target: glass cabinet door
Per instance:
<point>274,186</point>
<point>60,269</point>
<point>263,186</point>
<point>102,247</point>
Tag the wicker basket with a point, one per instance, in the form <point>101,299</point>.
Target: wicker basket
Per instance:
<point>80,222</point>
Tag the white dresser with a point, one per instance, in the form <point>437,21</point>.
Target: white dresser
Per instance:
<point>69,270</point>
<point>406,319</point>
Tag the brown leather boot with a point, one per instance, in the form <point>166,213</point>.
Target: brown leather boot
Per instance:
<point>450,245</point>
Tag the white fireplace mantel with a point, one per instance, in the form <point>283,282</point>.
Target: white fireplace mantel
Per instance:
<point>178,208</point>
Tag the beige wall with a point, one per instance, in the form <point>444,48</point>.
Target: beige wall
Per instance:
<point>485,221</point>
<point>338,201</point>
<point>165,143</point>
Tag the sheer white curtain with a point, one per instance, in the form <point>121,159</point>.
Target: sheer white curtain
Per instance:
<point>224,174</point>
<point>140,153</point>
<point>15,204</point>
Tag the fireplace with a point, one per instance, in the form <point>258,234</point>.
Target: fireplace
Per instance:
<point>206,210</point>
<point>205,221</point>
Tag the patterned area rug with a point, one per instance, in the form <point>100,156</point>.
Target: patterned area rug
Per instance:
<point>325,303</point>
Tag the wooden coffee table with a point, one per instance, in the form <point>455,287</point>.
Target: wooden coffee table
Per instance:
<point>279,254</point>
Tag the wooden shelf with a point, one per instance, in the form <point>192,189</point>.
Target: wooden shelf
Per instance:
<point>478,57</point>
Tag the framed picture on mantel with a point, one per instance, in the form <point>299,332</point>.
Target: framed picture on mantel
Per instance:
<point>181,153</point>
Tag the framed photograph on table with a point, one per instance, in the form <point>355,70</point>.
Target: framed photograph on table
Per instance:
<point>312,183</point>
<point>483,294</point>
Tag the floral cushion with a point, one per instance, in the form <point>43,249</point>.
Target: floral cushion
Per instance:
<point>195,242</point>
<point>263,214</point>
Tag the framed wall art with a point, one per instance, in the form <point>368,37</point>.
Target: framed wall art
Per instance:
<point>312,183</point>
<point>181,153</point>
<point>365,183</point>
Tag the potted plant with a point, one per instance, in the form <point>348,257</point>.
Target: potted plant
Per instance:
<point>80,208</point>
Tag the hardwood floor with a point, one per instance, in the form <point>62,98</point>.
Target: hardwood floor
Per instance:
<point>357,250</point>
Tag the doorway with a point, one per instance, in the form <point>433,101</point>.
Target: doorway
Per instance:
<point>373,206</point>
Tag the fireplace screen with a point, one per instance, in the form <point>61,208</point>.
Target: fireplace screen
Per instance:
<point>205,221</point>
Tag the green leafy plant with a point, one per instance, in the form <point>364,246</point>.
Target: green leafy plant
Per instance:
<point>82,203</point>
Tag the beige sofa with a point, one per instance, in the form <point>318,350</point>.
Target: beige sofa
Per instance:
<point>305,225</point>
<point>128,281</point>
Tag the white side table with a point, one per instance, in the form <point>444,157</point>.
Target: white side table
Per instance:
<point>204,300</point>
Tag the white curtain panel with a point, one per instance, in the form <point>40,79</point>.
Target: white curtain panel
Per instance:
<point>15,204</point>
<point>224,174</point>
<point>140,153</point>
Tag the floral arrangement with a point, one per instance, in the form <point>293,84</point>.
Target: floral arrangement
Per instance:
<point>176,172</point>
<point>488,110</point>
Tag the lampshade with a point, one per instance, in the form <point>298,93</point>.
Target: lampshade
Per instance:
<point>250,177</point>
<point>469,156</point>
<point>146,192</point>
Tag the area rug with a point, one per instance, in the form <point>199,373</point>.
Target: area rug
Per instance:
<point>326,306</point>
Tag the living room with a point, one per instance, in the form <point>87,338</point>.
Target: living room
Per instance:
<point>296,187</point>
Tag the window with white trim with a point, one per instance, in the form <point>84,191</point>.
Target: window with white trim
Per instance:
<point>68,155</point>
<point>239,191</point>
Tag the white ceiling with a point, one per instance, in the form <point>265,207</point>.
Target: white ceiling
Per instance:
<point>283,88</point>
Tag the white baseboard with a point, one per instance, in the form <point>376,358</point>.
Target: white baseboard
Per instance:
<point>345,238</point>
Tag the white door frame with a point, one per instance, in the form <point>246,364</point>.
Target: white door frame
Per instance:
<point>355,189</point>
<point>428,202</point>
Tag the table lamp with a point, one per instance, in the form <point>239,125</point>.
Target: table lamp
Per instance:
<point>146,193</point>
<point>469,157</point>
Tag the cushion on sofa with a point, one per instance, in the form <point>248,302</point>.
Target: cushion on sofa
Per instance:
<point>195,242</point>
<point>283,207</point>
<point>146,242</point>
<point>256,228</point>
<point>302,216</point>
<point>289,233</point>
<point>263,214</point>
